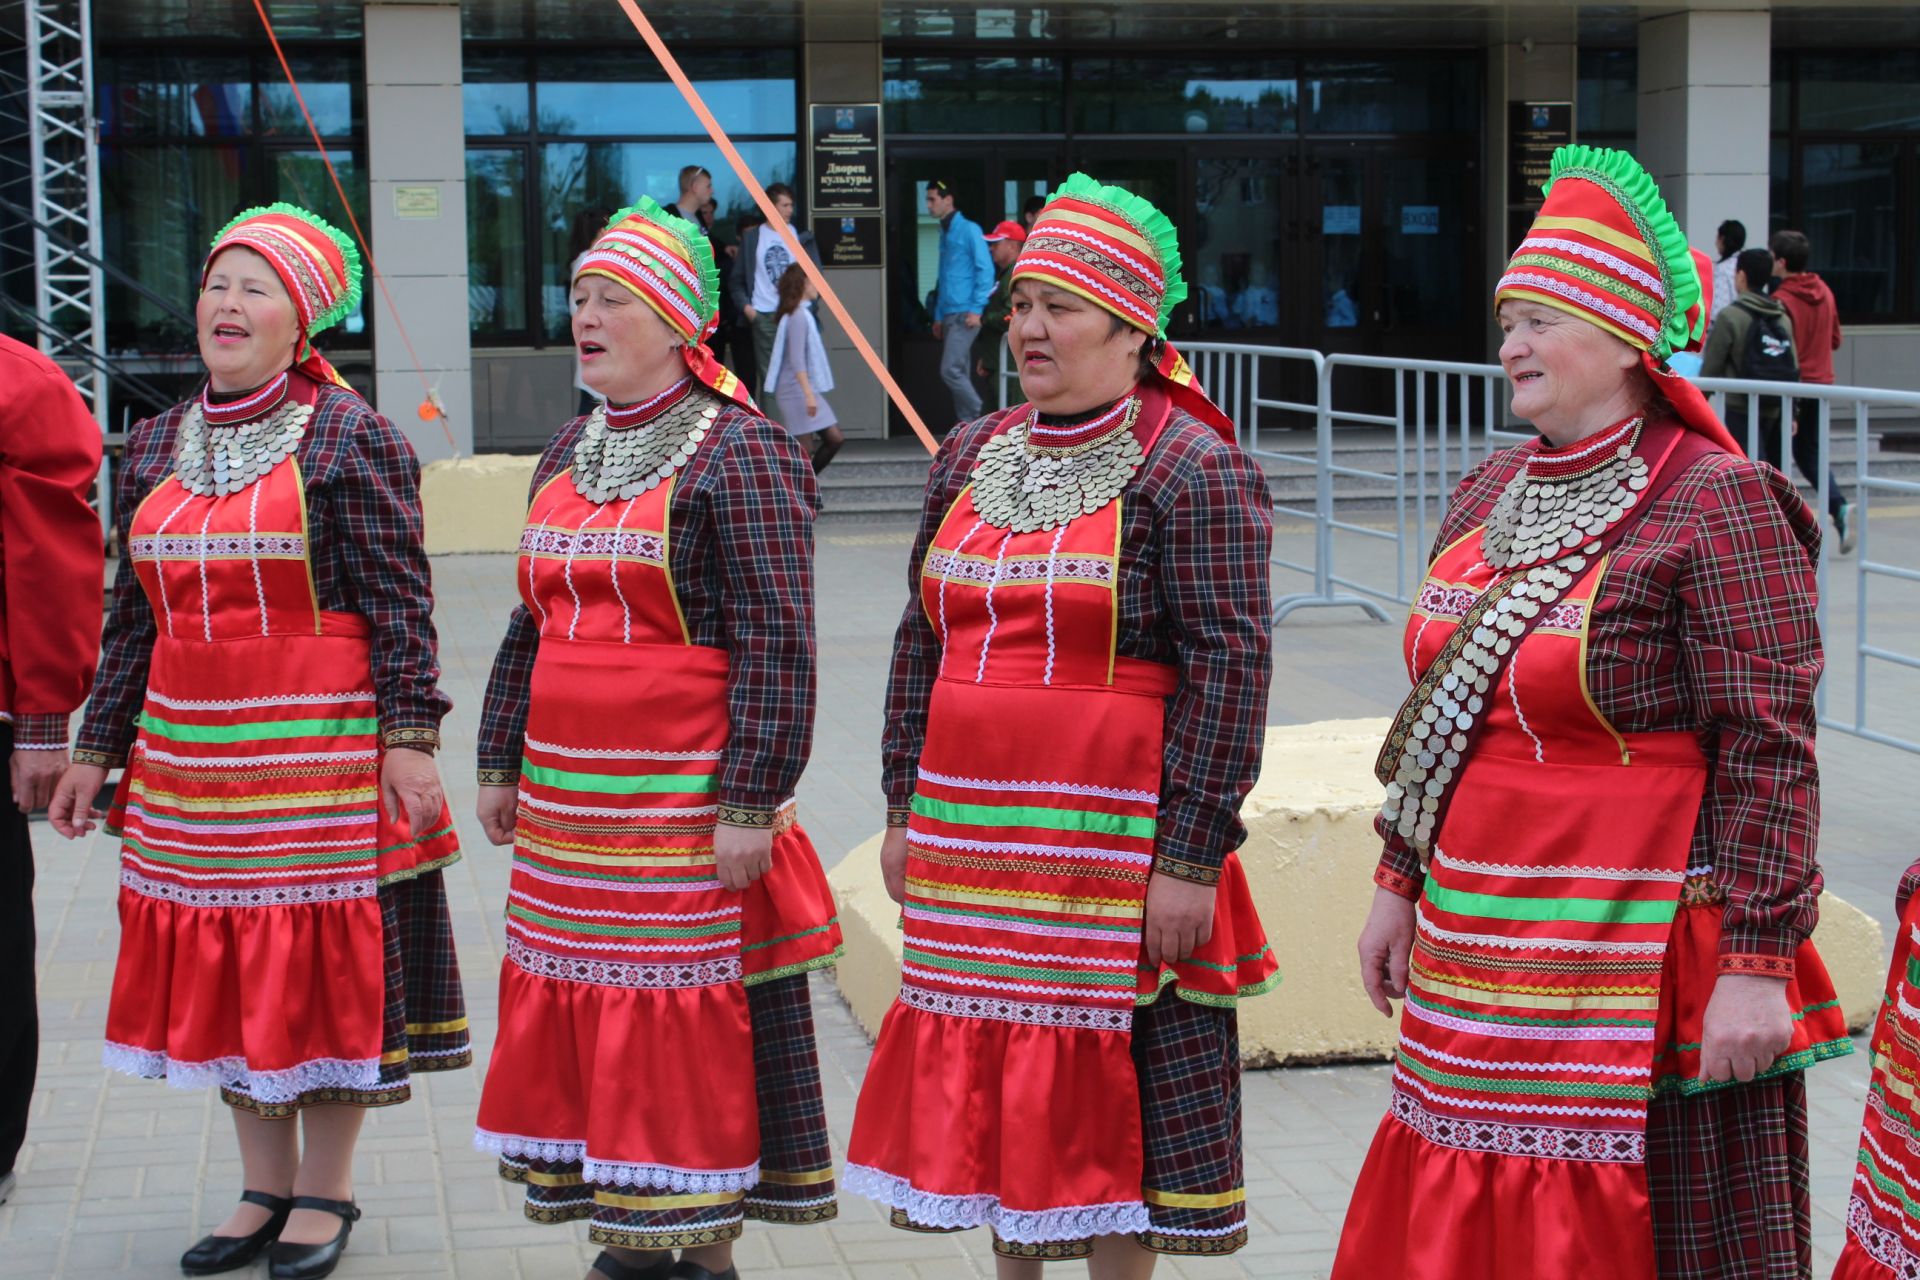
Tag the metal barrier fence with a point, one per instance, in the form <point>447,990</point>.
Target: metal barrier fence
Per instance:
<point>1445,417</point>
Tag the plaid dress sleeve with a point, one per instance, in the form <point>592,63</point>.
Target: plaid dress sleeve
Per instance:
<point>1215,531</point>
<point>127,635</point>
<point>1751,657</point>
<point>916,649</point>
<point>760,500</point>
<point>503,711</point>
<point>373,505</point>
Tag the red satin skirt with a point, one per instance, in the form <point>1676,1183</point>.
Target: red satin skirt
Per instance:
<point>1427,1211</point>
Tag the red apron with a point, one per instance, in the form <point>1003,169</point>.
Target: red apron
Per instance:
<point>252,842</point>
<point>620,940</point>
<point>1556,982</point>
<point>1002,1089</point>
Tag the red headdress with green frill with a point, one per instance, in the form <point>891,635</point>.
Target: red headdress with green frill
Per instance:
<point>668,264</point>
<point>1119,252</point>
<point>315,261</point>
<point>1605,247</point>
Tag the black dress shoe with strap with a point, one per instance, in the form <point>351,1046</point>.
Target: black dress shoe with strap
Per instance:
<point>312,1261</point>
<point>614,1269</point>
<point>215,1254</point>
<point>684,1270</point>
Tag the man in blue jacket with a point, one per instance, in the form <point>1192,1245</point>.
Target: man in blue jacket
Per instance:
<point>966,281</point>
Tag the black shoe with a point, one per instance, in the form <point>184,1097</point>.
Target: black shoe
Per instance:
<point>312,1261</point>
<point>684,1270</point>
<point>214,1254</point>
<point>614,1269</point>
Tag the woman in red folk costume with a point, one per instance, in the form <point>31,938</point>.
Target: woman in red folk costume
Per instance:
<point>1601,809</point>
<point>1883,1208</point>
<point>269,679</point>
<point>1075,713</point>
<point>649,715</point>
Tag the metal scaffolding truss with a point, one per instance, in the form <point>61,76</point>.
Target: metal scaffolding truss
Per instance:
<point>63,164</point>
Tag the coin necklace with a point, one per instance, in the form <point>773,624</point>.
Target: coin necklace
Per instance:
<point>1559,500</point>
<point>623,462</point>
<point>212,462</point>
<point>1553,504</point>
<point>1023,485</point>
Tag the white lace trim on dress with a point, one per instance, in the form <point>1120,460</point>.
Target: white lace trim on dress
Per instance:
<point>232,1073</point>
<point>1016,1226</point>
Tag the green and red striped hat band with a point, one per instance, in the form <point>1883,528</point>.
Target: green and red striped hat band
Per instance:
<point>661,265</point>
<point>1605,248</point>
<point>314,261</point>
<point>1095,251</point>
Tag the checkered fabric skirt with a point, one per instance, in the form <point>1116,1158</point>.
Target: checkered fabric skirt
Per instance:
<point>1728,1176</point>
<point>796,1166</point>
<point>1187,1059</point>
<point>425,1020</point>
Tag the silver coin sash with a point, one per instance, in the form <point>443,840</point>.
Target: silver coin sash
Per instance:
<point>625,462</point>
<point>1537,518</point>
<point>1433,731</point>
<point>212,462</point>
<point>1024,488</point>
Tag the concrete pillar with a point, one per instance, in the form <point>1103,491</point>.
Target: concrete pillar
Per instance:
<point>1536,59</point>
<point>416,162</point>
<point>841,63</point>
<point>1705,98</point>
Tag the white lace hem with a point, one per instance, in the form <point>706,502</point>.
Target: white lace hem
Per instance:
<point>1016,1226</point>
<point>614,1173</point>
<point>232,1073</point>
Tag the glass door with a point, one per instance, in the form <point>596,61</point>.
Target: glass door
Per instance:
<point>913,269</point>
<point>1386,244</point>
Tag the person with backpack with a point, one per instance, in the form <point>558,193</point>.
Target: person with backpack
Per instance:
<point>1816,325</point>
<point>1753,339</point>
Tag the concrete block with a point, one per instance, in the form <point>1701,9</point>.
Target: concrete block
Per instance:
<point>475,504</point>
<point>1309,856</point>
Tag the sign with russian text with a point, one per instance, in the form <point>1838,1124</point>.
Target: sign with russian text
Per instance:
<point>850,240</point>
<point>846,156</point>
<point>1534,131</point>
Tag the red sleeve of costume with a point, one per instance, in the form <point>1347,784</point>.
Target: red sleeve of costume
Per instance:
<point>49,539</point>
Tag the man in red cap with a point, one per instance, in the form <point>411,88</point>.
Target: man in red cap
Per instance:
<point>1003,242</point>
<point>50,563</point>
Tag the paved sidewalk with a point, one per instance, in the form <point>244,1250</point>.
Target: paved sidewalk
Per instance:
<point>120,1175</point>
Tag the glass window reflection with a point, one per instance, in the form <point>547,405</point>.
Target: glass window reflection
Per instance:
<point>585,95</point>
<point>1235,245</point>
<point>1848,195</point>
<point>1134,95</point>
<point>983,95</point>
<point>497,242</point>
<point>1864,92</point>
<point>331,85</point>
<point>163,96</point>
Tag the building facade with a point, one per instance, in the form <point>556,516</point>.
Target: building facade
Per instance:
<point>1345,177</point>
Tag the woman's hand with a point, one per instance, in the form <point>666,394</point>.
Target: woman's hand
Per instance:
<point>497,808</point>
<point>1386,940</point>
<point>813,405</point>
<point>410,789</point>
<point>70,812</point>
<point>893,863</point>
<point>1747,1025</point>
<point>1179,918</point>
<point>742,855</point>
<point>34,775</point>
